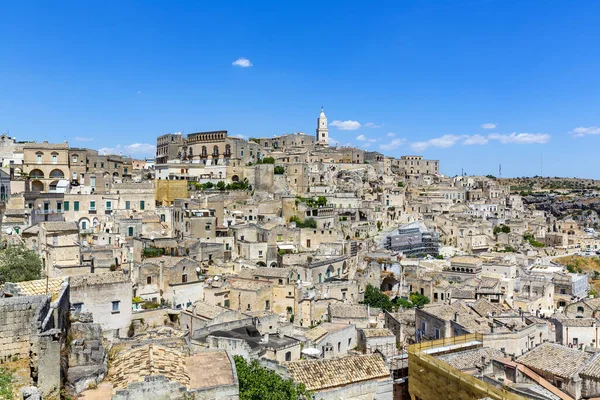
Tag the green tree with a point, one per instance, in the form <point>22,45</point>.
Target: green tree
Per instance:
<point>221,185</point>
<point>267,160</point>
<point>321,201</point>
<point>258,383</point>
<point>402,302</point>
<point>375,298</point>
<point>17,264</point>
<point>279,170</point>
<point>418,300</point>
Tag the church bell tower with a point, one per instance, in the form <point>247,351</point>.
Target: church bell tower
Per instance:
<point>322,130</point>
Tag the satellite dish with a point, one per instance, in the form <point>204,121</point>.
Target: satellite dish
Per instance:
<point>216,278</point>
<point>198,269</point>
<point>151,237</point>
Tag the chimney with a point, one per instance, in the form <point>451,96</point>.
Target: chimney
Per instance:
<point>492,328</point>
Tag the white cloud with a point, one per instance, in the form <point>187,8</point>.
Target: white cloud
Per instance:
<point>581,131</point>
<point>441,142</point>
<point>489,125</point>
<point>390,134</point>
<point>373,125</point>
<point>82,139</point>
<point>348,125</point>
<point>520,138</point>
<point>393,145</point>
<point>475,139</point>
<point>242,62</point>
<point>138,149</point>
<point>240,136</point>
<point>366,145</point>
<point>139,92</point>
<point>363,138</point>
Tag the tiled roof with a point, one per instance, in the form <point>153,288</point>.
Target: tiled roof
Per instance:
<point>266,272</point>
<point>57,226</point>
<point>580,322</point>
<point>46,145</point>
<point>248,284</point>
<point>134,365</point>
<point>485,308</point>
<point>316,333</point>
<point>348,311</point>
<point>37,287</point>
<point>208,369</point>
<point>469,359</point>
<point>371,333</point>
<point>206,310</point>
<point>324,374</point>
<point>466,260</point>
<point>555,359</point>
<point>592,369</point>
<point>98,279</point>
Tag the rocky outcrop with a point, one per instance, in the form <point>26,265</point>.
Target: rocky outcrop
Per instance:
<point>87,356</point>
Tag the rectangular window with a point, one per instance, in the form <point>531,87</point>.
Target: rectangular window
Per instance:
<point>78,307</point>
<point>267,305</point>
<point>148,280</point>
<point>66,206</point>
<point>184,278</point>
<point>101,165</point>
<point>130,231</point>
<point>142,204</point>
<point>437,333</point>
<point>92,206</point>
<point>124,171</point>
<point>59,206</point>
<point>74,176</point>
<point>74,159</point>
<point>75,206</point>
<point>108,206</point>
<point>116,306</point>
<point>227,303</point>
<point>127,205</point>
<point>423,326</point>
<point>93,181</point>
<point>54,159</point>
<point>116,165</point>
<point>39,158</point>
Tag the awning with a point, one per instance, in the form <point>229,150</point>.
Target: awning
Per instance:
<point>286,246</point>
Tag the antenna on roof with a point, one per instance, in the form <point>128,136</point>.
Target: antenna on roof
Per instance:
<point>500,171</point>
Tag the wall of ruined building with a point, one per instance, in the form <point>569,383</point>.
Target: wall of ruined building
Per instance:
<point>153,387</point>
<point>226,326</point>
<point>20,320</point>
<point>235,347</point>
<point>87,356</point>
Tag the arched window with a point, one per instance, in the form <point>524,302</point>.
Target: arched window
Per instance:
<point>215,150</point>
<point>57,173</point>
<point>203,151</point>
<point>38,157</point>
<point>36,173</point>
<point>227,150</point>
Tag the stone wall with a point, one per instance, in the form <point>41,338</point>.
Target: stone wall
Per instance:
<point>21,319</point>
<point>87,356</point>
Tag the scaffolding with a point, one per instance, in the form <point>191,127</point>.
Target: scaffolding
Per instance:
<point>431,379</point>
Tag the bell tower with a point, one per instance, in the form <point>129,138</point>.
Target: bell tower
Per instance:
<point>322,130</point>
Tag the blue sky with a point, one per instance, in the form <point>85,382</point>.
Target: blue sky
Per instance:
<point>409,77</point>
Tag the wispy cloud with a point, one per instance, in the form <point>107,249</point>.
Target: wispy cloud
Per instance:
<point>372,125</point>
<point>447,141</point>
<point>390,134</point>
<point>582,131</point>
<point>441,142</point>
<point>392,145</point>
<point>242,62</point>
<point>475,139</point>
<point>240,136</point>
<point>363,138</point>
<point>520,138</point>
<point>82,139</point>
<point>348,125</point>
<point>138,149</point>
<point>489,125</point>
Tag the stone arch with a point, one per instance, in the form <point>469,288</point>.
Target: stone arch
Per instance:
<point>274,264</point>
<point>52,186</point>
<point>37,186</point>
<point>203,151</point>
<point>57,173</point>
<point>84,223</point>
<point>235,178</point>
<point>215,150</point>
<point>227,150</point>
<point>115,174</point>
<point>261,264</point>
<point>36,173</point>
<point>330,271</point>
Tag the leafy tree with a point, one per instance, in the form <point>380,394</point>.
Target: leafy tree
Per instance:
<point>404,303</point>
<point>307,223</point>
<point>418,300</point>
<point>400,184</point>
<point>501,228</point>
<point>321,201</point>
<point>267,160</point>
<point>375,298</point>
<point>258,383</point>
<point>279,170</point>
<point>17,264</point>
<point>221,185</point>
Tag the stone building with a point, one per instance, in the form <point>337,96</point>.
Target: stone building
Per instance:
<point>107,297</point>
<point>46,164</point>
